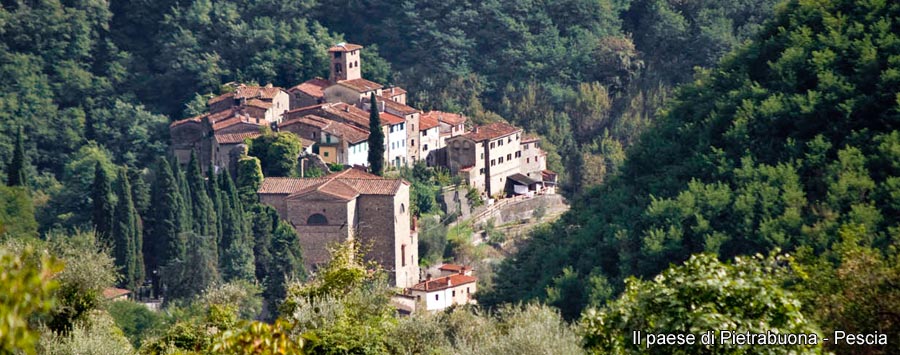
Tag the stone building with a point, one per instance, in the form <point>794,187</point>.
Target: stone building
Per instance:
<point>308,93</point>
<point>264,102</point>
<point>486,156</point>
<point>336,142</point>
<point>445,291</point>
<point>349,205</point>
<point>430,143</point>
<point>212,135</point>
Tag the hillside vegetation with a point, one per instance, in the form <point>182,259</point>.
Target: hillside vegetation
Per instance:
<point>790,144</point>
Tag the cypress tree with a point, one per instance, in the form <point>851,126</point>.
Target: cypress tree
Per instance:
<point>376,139</point>
<point>141,193</point>
<point>185,214</point>
<point>215,196</point>
<point>102,214</point>
<point>16,174</point>
<point>249,178</point>
<point>204,217</point>
<point>124,234</point>
<point>165,241</point>
<point>237,258</point>
<point>287,262</point>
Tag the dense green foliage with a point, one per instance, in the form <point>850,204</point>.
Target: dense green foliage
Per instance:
<point>696,298</point>
<point>790,141</point>
<point>101,198</point>
<point>277,153</point>
<point>127,237</point>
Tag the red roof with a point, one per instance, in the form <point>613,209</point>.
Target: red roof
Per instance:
<point>452,119</point>
<point>195,119</point>
<point>112,292</point>
<point>345,184</point>
<point>389,118</point>
<point>344,47</point>
<point>454,267</point>
<point>259,104</point>
<point>314,87</point>
<point>361,85</point>
<point>350,133</point>
<point>528,138</point>
<point>234,120</point>
<point>234,138</point>
<point>229,95</point>
<point>445,282</point>
<point>391,105</point>
<point>392,92</point>
<point>427,122</point>
<point>491,131</point>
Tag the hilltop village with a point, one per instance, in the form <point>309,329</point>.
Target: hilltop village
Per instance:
<point>331,119</point>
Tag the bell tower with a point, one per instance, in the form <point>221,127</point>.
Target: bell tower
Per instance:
<point>344,62</point>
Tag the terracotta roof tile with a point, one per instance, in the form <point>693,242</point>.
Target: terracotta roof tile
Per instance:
<point>112,292</point>
<point>389,118</point>
<point>344,47</point>
<point>259,104</point>
<point>454,267</point>
<point>234,120</point>
<point>452,119</point>
<point>311,120</point>
<point>229,95</point>
<point>445,282</point>
<point>195,119</point>
<point>234,138</point>
<point>528,138</point>
<point>350,133</point>
<point>346,184</point>
<point>314,87</point>
<point>491,131</point>
<point>427,122</point>
<point>361,85</point>
<point>402,109</point>
<point>392,92</point>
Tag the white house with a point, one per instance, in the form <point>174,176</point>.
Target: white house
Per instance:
<point>442,292</point>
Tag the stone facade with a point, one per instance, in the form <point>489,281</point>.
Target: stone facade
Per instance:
<point>486,156</point>
<point>349,205</point>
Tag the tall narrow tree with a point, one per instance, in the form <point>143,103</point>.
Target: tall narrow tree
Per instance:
<point>125,233</point>
<point>16,172</point>
<point>102,214</point>
<point>237,258</point>
<point>204,222</point>
<point>287,261</point>
<point>376,139</point>
<point>215,196</point>
<point>165,241</point>
<point>185,191</point>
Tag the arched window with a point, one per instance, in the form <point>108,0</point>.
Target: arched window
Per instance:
<point>317,219</point>
<point>402,208</point>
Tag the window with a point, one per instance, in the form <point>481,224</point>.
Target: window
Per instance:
<point>325,154</point>
<point>337,54</point>
<point>402,208</point>
<point>492,145</point>
<point>481,171</point>
<point>509,157</point>
<point>403,255</point>
<point>501,160</point>
<point>356,64</point>
<point>412,142</point>
<point>413,127</point>
<point>317,219</point>
<point>519,154</point>
<point>500,142</point>
<point>482,155</point>
<point>527,160</point>
<point>453,293</point>
<point>327,138</point>
<point>425,147</point>
<point>526,147</point>
<point>493,162</point>
<point>437,297</point>
<point>509,140</point>
<point>467,290</point>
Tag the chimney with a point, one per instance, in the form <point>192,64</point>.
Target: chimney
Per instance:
<point>347,108</point>
<point>475,129</point>
<point>382,106</point>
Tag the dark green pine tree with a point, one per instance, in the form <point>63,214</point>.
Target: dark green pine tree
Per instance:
<point>287,262</point>
<point>215,196</point>
<point>188,277</point>
<point>237,258</point>
<point>102,214</point>
<point>204,222</point>
<point>186,215</point>
<point>264,220</point>
<point>125,234</point>
<point>165,240</point>
<point>16,172</point>
<point>141,193</point>
<point>376,139</point>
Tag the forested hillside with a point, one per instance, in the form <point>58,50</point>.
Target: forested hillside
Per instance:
<point>790,144</point>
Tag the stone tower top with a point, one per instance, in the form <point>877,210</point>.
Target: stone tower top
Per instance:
<point>344,62</point>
